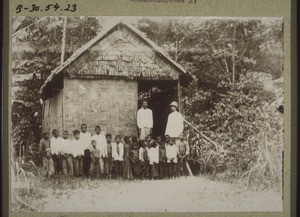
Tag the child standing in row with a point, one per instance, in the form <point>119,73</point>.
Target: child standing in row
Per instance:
<point>78,152</point>
<point>108,161</point>
<point>95,160</point>
<point>183,152</point>
<point>136,169</point>
<point>45,151</point>
<point>153,154</point>
<point>101,142</point>
<point>144,160</point>
<point>171,154</point>
<point>85,138</point>
<point>127,172</point>
<point>162,165</point>
<point>67,158</point>
<point>56,144</point>
<point>117,154</point>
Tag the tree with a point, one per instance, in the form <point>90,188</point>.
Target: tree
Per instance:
<point>36,50</point>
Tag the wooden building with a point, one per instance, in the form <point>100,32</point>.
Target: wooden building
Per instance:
<point>102,82</point>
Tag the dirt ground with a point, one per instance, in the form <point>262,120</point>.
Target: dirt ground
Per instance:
<point>191,194</point>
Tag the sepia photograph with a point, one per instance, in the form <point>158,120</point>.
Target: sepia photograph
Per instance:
<point>147,114</point>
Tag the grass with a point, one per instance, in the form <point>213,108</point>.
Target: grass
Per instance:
<point>197,194</point>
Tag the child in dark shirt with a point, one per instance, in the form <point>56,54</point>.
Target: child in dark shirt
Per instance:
<point>95,161</point>
<point>108,162</point>
<point>162,165</point>
<point>134,156</point>
<point>144,160</point>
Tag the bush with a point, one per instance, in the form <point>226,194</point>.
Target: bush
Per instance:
<point>248,128</point>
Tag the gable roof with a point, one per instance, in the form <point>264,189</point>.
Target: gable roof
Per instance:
<point>104,33</point>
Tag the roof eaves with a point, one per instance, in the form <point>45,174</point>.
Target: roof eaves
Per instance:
<point>76,54</point>
<point>102,34</point>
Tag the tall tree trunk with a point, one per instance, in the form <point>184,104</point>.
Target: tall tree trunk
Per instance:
<point>233,56</point>
<point>63,45</point>
<point>176,51</point>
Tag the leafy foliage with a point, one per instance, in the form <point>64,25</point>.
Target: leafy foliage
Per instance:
<point>248,126</point>
<point>235,102</point>
<point>36,52</point>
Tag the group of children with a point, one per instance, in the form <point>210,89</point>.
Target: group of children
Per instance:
<point>97,156</point>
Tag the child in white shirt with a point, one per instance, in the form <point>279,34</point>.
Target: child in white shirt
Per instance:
<point>117,154</point>
<point>171,153</point>
<point>153,154</point>
<point>78,152</point>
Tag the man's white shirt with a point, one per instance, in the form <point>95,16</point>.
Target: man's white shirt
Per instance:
<point>174,124</point>
<point>144,118</point>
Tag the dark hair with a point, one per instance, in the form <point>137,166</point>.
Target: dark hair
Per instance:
<point>145,100</point>
<point>54,130</point>
<point>153,143</point>
<point>167,136</point>
<point>126,139</point>
<point>108,135</point>
<point>134,139</point>
<point>65,131</point>
<point>76,132</point>
<point>83,124</point>
<point>117,136</point>
<point>141,142</point>
<point>98,127</point>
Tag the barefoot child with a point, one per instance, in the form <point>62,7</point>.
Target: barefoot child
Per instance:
<point>67,158</point>
<point>127,161</point>
<point>56,144</point>
<point>78,152</point>
<point>144,160</point>
<point>95,161</point>
<point>117,154</point>
<point>45,151</point>
<point>108,161</point>
<point>183,153</point>
<point>171,153</point>
<point>134,156</point>
<point>86,138</point>
<point>100,139</point>
<point>153,159</point>
<point>162,165</point>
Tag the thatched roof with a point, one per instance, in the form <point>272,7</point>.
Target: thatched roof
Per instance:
<point>104,33</point>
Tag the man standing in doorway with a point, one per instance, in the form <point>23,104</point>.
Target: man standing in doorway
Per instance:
<point>175,122</point>
<point>144,120</point>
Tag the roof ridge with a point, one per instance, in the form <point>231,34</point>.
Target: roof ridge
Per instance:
<point>102,34</point>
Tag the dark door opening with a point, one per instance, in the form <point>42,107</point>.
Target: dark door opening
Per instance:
<point>159,94</point>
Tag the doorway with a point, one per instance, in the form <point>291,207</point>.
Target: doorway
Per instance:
<point>159,94</point>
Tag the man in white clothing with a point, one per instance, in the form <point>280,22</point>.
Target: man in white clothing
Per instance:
<point>175,122</point>
<point>144,120</point>
<point>100,139</point>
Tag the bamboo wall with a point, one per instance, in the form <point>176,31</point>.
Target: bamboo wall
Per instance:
<point>112,104</point>
<point>53,112</point>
